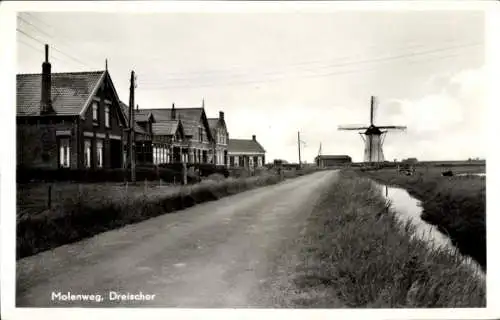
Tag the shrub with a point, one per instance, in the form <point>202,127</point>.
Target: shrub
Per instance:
<point>216,177</point>
<point>25,175</point>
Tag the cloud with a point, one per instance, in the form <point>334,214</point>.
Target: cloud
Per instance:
<point>450,117</point>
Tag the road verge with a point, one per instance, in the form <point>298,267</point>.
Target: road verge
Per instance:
<point>356,254</point>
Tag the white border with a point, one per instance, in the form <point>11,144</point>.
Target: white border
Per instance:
<point>7,101</point>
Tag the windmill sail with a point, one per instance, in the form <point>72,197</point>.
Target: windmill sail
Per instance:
<point>375,135</point>
<point>371,110</point>
<point>352,127</point>
<point>393,127</point>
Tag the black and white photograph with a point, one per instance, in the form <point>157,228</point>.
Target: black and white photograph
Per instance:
<point>280,157</point>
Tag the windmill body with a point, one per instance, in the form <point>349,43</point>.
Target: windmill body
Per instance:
<point>373,137</point>
<point>373,145</point>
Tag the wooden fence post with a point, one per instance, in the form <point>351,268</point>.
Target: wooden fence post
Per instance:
<point>184,174</point>
<point>49,200</point>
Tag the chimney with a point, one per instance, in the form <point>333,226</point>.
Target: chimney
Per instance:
<point>137,108</point>
<point>221,115</point>
<point>253,137</point>
<point>46,100</point>
<point>172,115</point>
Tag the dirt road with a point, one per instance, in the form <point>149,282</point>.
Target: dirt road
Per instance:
<point>234,252</point>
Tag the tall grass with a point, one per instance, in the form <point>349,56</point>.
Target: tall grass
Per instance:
<point>356,251</point>
<point>83,215</point>
<point>456,205</point>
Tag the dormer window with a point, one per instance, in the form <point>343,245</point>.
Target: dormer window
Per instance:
<point>95,111</point>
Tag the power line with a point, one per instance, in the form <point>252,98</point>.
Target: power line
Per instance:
<point>38,19</point>
<point>318,75</point>
<point>382,59</point>
<point>53,47</point>
<point>207,72</point>
<point>37,28</point>
<point>41,51</point>
<point>29,45</point>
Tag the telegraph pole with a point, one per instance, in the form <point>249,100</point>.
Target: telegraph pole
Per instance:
<point>298,142</point>
<point>131,120</point>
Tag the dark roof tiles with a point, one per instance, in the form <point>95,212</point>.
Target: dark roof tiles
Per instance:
<point>168,127</point>
<point>70,92</point>
<point>244,145</point>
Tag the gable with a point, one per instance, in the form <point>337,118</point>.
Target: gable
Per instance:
<point>106,84</point>
<point>204,120</point>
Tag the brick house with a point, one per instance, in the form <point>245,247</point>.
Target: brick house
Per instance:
<point>190,129</point>
<point>246,153</point>
<point>69,120</point>
<point>221,138</point>
<point>169,141</point>
<point>143,132</point>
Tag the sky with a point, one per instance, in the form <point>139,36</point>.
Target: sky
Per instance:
<point>275,74</point>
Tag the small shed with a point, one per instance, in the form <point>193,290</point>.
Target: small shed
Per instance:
<point>324,161</point>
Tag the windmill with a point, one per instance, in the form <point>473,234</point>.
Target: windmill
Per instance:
<point>375,136</point>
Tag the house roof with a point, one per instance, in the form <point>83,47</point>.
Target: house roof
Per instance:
<point>142,115</point>
<point>70,92</point>
<point>244,145</point>
<point>190,127</point>
<point>334,157</point>
<point>213,123</point>
<point>167,127</point>
<point>189,117</point>
<point>137,127</point>
<point>193,114</point>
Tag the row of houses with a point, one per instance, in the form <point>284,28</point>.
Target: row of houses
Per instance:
<point>77,120</point>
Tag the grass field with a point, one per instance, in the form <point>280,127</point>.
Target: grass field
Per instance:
<point>81,211</point>
<point>356,255</point>
<point>32,198</point>
<point>456,205</point>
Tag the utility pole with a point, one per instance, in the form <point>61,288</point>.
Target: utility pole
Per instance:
<point>298,142</point>
<point>131,122</point>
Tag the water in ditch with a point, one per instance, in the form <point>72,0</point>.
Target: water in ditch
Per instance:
<point>408,209</point>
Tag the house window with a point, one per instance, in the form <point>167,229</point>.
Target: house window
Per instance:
<point>106,116</point>
<point>155,155</point>
<point>99,153</point>
<point>259,161</point>
<point>200,134</point>
<point>236,161</point>
<point>95,111</point>
<point>88,153</point>
<point>64,152</point>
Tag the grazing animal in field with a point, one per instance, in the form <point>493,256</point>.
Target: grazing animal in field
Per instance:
<point>448,173</point>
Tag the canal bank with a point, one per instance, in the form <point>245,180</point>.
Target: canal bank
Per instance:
<point>408,209</point>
